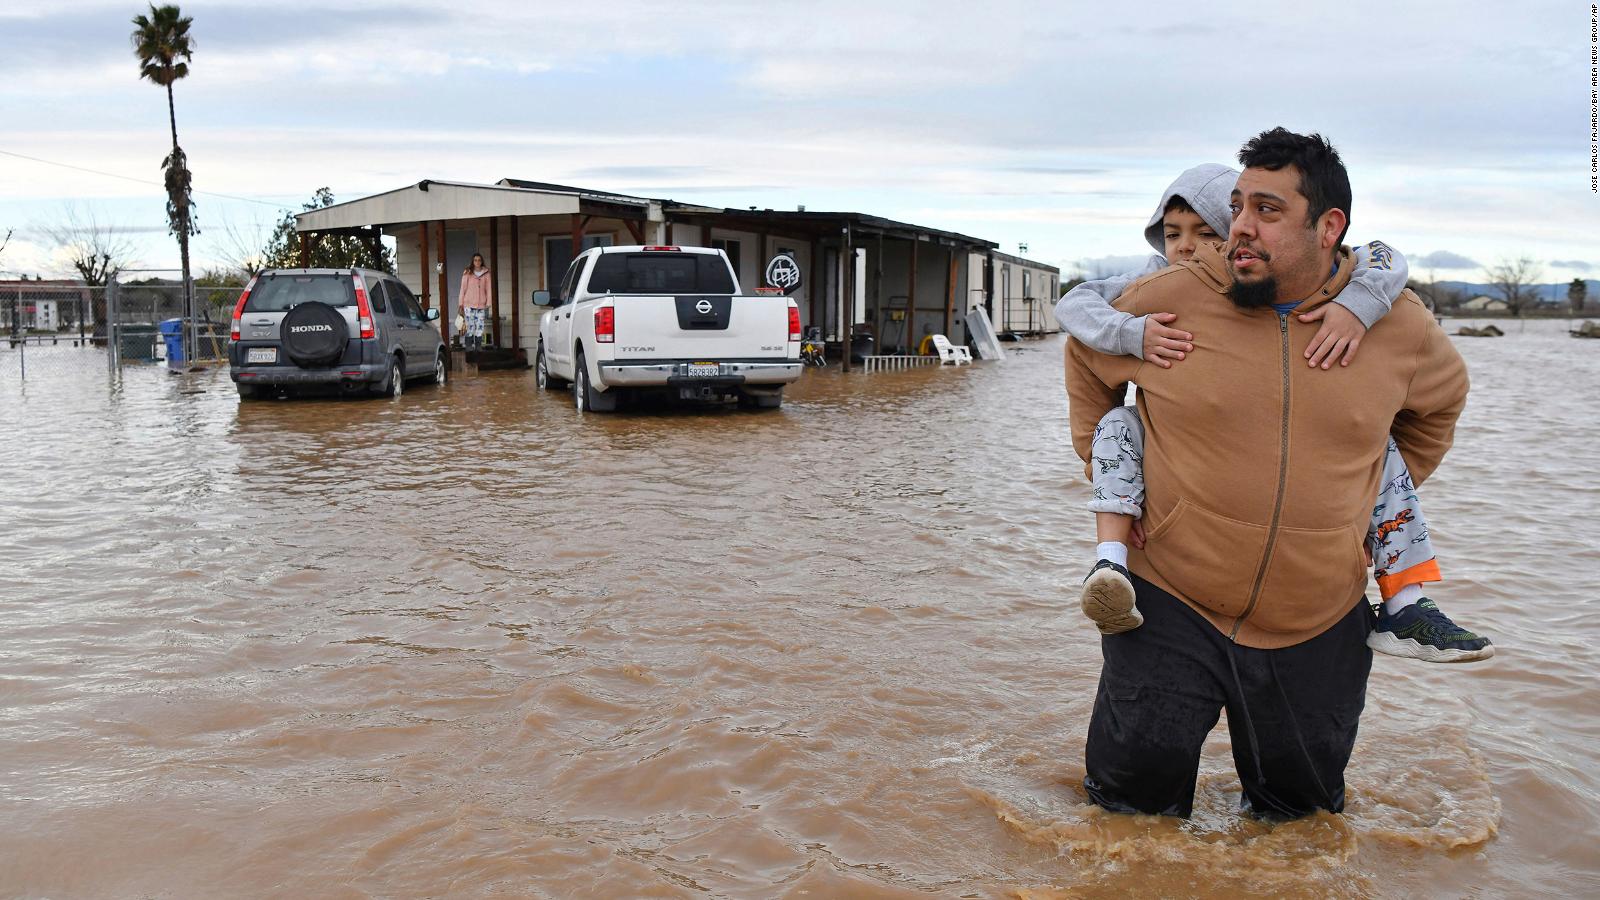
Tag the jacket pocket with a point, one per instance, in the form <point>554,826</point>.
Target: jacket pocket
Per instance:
<point>1312,577</point>
<point>1206,557</point>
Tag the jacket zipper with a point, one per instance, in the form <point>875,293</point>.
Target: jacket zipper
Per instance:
<point>1283,478</point>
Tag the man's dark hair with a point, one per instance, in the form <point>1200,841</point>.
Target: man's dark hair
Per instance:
<point>1323,179</point>
<point>1177,203</point>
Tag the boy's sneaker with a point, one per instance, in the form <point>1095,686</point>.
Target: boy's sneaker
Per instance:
<point>1422,631</point>
<point>1108,598</point>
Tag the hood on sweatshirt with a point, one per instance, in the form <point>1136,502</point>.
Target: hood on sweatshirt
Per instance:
<point>1206,188</point>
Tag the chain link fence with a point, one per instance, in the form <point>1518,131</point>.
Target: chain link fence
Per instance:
<point>49,328</point>
<point>54,329</point>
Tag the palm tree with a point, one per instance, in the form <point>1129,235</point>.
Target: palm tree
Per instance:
<point>162,43</point>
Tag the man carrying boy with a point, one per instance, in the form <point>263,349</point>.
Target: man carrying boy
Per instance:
<point>1260,479</point>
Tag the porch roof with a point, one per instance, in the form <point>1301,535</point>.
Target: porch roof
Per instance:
<point>822,224</point>
<point>432,200</point>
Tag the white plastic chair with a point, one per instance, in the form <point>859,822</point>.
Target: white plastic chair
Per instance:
<point>950,354</point>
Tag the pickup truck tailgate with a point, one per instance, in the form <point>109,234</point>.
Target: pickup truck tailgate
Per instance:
<point>710,327</point>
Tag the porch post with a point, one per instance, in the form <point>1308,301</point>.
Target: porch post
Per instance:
<point>949,291</point>
<point>494,277</point>
<point>516,288</point>
<point>911,297</point>
<point>847,296</point>
<point>815,289</point>
<point>422,263</point>
<point>444,300</point>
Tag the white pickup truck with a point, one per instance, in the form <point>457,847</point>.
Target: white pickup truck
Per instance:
<point>668,319</point>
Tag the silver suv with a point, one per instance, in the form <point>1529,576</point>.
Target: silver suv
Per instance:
<point>352,330</point>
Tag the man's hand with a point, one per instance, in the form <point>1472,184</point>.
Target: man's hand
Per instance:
<point>1341,332</point>
<point>1137,534</point>
<point>1163,344</point>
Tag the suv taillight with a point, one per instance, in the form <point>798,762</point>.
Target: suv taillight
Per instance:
<point>238,310</point>
<point>363,309</point>
<point>794,324</point>
<point>605,324</point>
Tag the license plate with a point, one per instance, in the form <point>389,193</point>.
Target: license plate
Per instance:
<point>702,370</point>
<point>261,355</point>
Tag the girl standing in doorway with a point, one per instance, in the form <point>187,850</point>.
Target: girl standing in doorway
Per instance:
<point>473,301</point>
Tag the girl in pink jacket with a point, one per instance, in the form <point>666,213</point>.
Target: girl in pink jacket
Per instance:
<point>473,301</point>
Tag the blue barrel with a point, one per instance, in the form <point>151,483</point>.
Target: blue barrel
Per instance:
<point>172,333</point>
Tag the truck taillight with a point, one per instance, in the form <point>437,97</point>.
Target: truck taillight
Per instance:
<point>238,310</point>
<point>794,324</point>
<point>605,324</point>
<point>363,310</point>
<point>656,248</point>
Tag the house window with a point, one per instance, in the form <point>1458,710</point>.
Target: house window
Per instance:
<point>730,247</point>
<point>558,254</point>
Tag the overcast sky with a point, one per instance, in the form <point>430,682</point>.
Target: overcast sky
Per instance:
<point>1465,125</point>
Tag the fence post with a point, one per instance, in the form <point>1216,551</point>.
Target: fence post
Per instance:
<point>113,339</point>
<point>191,328</point>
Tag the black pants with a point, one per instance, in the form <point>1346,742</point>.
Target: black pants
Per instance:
<point>1292,713</point>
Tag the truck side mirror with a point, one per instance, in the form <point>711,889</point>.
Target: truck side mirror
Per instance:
<point>541,298</point>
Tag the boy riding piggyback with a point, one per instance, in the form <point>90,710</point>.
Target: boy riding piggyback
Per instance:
<point>1194,209</point>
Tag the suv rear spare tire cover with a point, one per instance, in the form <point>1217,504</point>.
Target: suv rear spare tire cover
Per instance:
<point>314,334</point>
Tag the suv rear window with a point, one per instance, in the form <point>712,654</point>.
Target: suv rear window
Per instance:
<point>277,293</point>
<point>660,273</point>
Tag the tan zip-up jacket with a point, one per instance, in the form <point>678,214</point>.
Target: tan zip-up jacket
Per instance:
<point>1261,472</point>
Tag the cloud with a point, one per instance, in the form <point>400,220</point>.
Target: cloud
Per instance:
<point>643,173</point>
<point>1444,259</point>
<point>1106,266</point>
<point>1576,265</point>
<point>1055,170</point>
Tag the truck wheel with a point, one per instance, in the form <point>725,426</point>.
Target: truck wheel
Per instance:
<point>541,368</point>
<point>587,398</point>
<point>248,391</point>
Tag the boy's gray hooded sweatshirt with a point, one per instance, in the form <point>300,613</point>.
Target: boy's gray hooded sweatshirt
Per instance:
<point>1086,312</point>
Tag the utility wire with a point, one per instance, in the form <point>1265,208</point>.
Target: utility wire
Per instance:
<point>134,180</point>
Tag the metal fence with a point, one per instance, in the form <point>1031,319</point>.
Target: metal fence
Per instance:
<point>50,329</point>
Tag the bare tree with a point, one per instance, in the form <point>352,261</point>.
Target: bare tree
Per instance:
<point>94,248</point>
<point>1515,279</point>
<point>243,248</point>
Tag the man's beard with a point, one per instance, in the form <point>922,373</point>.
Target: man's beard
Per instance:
<point>1248,295</point>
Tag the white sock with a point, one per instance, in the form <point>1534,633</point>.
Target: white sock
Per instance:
<point>1116,551</point>
<point>1402,598</point>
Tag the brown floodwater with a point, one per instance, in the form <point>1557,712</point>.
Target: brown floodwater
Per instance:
<point>473,643</point>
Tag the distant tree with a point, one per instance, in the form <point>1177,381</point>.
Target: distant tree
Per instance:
<point>95,249</point>
<point>1069,284</point>
<point>218,288</point>
<point>331,251</point>
<point>1577,291</point>
<point>243,249</point>
<point>1514,279</point>
<point>162,43</point>
<point>5,240</point>
<point>1425,291</point>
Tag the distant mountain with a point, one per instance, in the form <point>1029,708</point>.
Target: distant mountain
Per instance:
<point>1554,294</point>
